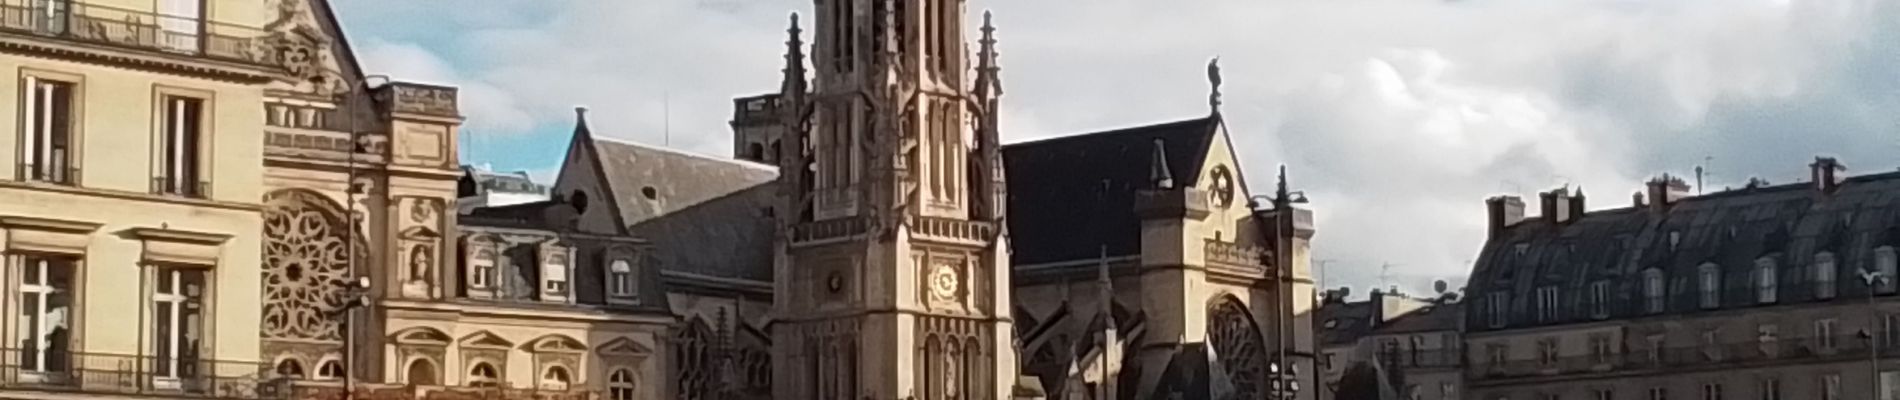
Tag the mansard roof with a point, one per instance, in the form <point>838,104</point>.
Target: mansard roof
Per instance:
<point>1787,225</point>
<point>1343,323</point>
<point>705,214</point>
<point>1056,187</point>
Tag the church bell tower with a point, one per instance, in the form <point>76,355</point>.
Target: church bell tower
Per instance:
<point>891,277</point>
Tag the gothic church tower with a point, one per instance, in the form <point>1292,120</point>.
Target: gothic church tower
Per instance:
<point>892,278</point>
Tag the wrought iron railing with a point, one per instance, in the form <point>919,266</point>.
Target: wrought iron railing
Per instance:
<point>1719,355</point>
<point>144,29</point>
<point>321,391</point>
<point>68,175</point>
<point>191,188</point>
<point>129,374</point>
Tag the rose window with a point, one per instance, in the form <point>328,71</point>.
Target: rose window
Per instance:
<point>1238,344</point>
<point>306,266</point>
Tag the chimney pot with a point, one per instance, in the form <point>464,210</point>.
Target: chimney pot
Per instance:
<point>1504,211</point>
<point>1827,174</point>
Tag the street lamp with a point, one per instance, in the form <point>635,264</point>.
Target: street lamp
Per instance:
<point>1874,279</point>
<point>1284,384</point>
<point>356,295</point>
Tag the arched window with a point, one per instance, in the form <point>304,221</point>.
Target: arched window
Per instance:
<point>556,378</point>
<point>1654,293</point>
<point>1710,278</point>
<point>289,367</point>
<point>330,370</point>
<point>1824,276</point>
<point>620,385</point>
<point>933,353</point>
<point>483,375</point>
<point>421,372</point>
<point>620,279</point>
<point>694,361</point>
<point>579,201</point>
<point>1239,345</point>
<point>1767,281</point>
<point>755,152</point>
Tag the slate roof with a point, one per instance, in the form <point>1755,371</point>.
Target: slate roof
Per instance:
<point>1056,187</point>
<point>1431,318</point>
<point>487,181</point>
<point>1344,323</point>
<point>1787,224</point>
<point>707,215</point>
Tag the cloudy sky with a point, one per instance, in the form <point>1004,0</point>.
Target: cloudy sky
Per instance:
<point>1397,117</point>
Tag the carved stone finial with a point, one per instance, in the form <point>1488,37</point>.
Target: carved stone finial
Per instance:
<point>1214,79</point>
<point>794,80</point>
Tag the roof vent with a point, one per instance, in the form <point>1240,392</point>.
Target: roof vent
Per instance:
<point>650,193</point>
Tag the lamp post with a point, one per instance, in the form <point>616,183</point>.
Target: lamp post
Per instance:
<point>1873,279</point>
<point>1279,207</point>
<point>356,295</point>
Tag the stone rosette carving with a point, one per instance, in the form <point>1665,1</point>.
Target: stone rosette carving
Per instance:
<point>306,265</point>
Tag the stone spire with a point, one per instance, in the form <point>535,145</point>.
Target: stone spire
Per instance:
<point>988,83</point>
<point>794,81</point>
<point>991,190</point>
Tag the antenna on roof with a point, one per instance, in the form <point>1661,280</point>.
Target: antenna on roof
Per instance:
<point>1700,171</point>
<point>666,106</point>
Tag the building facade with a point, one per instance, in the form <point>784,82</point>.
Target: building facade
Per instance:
<point>1391,346</point>
<point>131,196</point>
<point>1761,292</point>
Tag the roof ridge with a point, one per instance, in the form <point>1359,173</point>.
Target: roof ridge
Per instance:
<point>732,161</point>
<point>1112,132</point>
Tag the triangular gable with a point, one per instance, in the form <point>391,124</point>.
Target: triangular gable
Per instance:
<point>320,60</point>
<point>421,336</point>
<point>485,339</point>
<point>624,347</point>
<point>582,181</point>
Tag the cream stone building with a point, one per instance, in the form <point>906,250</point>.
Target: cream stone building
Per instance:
<point>1762,292</point>
<point>131,195</point>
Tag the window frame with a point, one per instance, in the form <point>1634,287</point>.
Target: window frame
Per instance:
<point>75,127</point>
<point>1767,281</point>
<point>1549,300</point>
<point>1655,291</point>
<point>172,350</point>
<point>1600,299</point>
<point>1887,264</point>
<point>202,157</point>
<point>475,377</point>
<point>622,389</point>
<point>48,364</point>
<point>1709,286</point>
<point>1826,273</point>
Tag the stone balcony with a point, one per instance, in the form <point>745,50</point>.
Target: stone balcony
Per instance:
<point>141,30</point>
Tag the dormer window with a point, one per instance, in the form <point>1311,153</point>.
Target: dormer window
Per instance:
<point>1824,276</point>
<point>1710,276</point>
<point>1766,281</point>
<point>482,270</point>
<point>556,269</point>
<point>1653,291</point>
<point>1885,265</point>
<point>620,279</point>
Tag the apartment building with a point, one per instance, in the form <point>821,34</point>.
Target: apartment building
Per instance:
<point>1763,292</point>
<point>1391,345</point>
<point>130,195</point>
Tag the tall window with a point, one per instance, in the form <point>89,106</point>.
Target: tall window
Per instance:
<point>1605,394</point>
<point>1654,293</point>
<point>1600,348</point>
<point>556,378</point>
<point>1765,281</point>
<point>483,274</point>
<point>1547,303</point>
<point>1448,391</point>
<point>179,24</point>
<point>1824,276</point>
<point>1884,264</point>
<point>182,143</point>
<point>1711,391</point>
<point>1547,351</point>
<point>177,321</point>
<point>1824,334</point>
<point>1770,389</point>
<point>1710,277</point>
<point>1831,387</point>
<point>1498,307</point>
<point>47,145</point>
<point>1657,393</point>
<point>1600,299</point>
<point>45,319</point>
<point>1768,339</point>
<point>620,385</point>
<point>620,279</point>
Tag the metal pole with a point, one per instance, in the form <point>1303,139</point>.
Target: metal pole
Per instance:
<point>1873,336</point>
<point>349,215</point>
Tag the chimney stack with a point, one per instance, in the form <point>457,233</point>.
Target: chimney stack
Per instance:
<point>1665,190</point>
<point>1636,199</point>
<point>1827,174</point>
<point>1557,205</point>
<point>1504,211</point>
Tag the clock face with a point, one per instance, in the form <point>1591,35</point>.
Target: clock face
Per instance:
<point>943,282</point>
<point>1222,186</point>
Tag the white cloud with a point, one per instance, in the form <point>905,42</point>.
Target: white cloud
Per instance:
<point>1397,116</point>
<point>489,108</point>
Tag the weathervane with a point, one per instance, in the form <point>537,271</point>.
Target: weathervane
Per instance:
<point>1213,78</point>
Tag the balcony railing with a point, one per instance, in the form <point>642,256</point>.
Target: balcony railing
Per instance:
<point>38,173</point>
<point>1721,355</point>
<point>302,391</point>
<point>143,29</point>
<point>191,188</point>
<point>127,374</point>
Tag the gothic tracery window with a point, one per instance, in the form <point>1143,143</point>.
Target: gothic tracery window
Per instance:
<point>1238,345</point>
<point>691,356</point>
<point>306,263</point>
